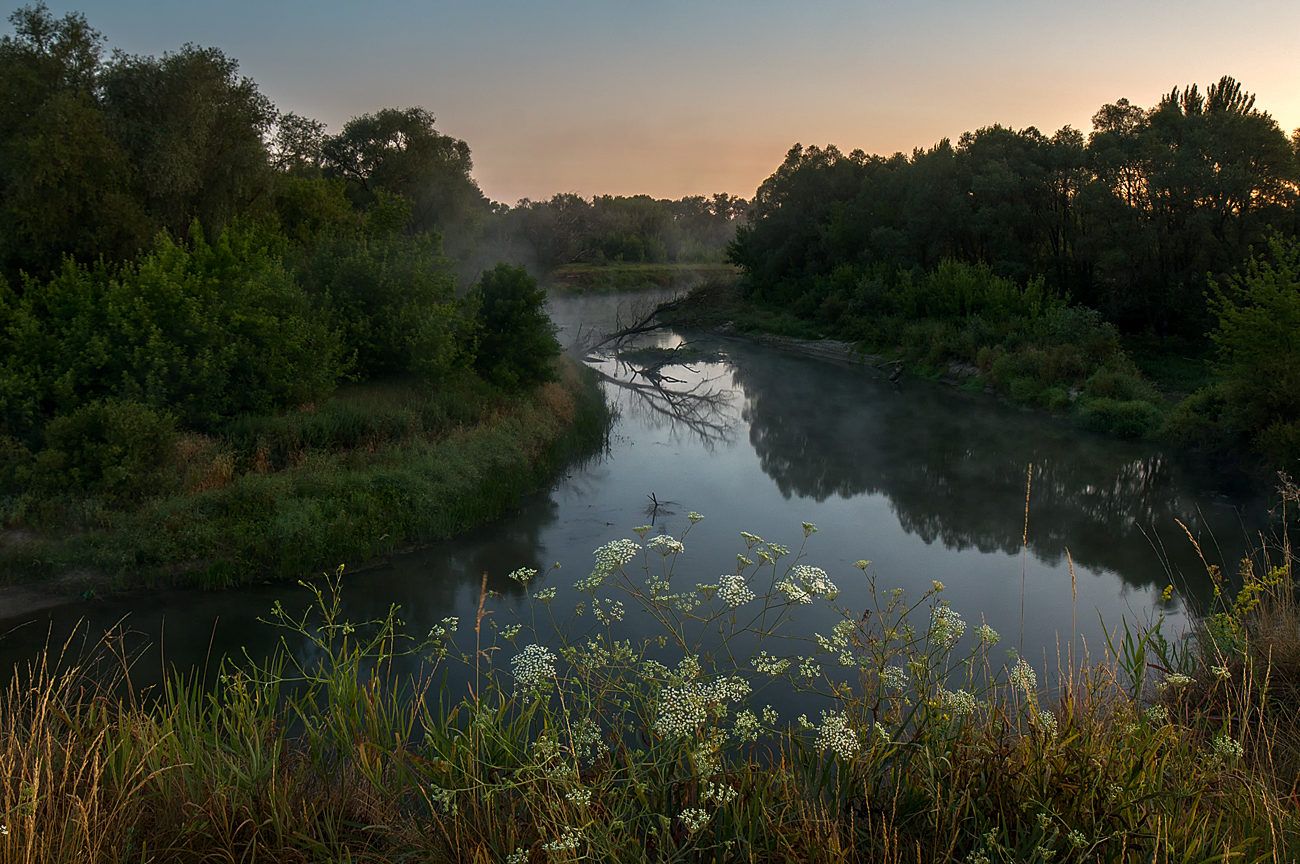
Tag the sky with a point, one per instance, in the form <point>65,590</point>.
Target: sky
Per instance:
<point>685,97</point>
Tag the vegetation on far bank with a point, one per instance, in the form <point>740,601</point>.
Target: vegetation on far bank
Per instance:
<point>1143,279</point>
<point>925,739</point>
<point>622,276</point>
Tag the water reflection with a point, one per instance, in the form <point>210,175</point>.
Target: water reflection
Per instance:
<point>954,468</point>
<point>926,481</point>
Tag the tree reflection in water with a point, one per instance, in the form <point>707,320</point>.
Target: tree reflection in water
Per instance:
<point>953,467</point>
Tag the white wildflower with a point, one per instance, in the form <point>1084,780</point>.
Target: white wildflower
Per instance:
<point>694,818</point>
<point>793,592</point>
<point>510,631</point>
<point>568,841</point>
<point>804,722</point>
<point>694,517</point>
<point>1023,676</point>
<point>816,581</point>
<point>546,595</point>
<point>1047,722</point>
<point>1221,672</point>
<point>607,611</point>
<point>1157,715</point>
<point>519,856</point>
<point>809,668</point>
<point>443,799</point>
<point>666,545</point>
<point>682,710</point>
<point>881,732</point>
<point>988,635</point>
<point>733,591</point>
<point>769,715</point>
<point>718,793</point>
<point>523,575</point>
<point>746,726</point>
<point>946,625</point>
<point>894,677</point>
<point>580,797</point>
<point>533,666</point>
<point>809,529</point>
<point>959,703</point>
<point>1228,748</point>
<point>837,735</point>
<point>1076,839</point>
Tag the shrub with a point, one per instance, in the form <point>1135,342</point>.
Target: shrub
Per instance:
<point>205,330</point>
<point>116,449</point>
<point>516,339</point>
<point>1123,418</point>
<point>1258,340</point>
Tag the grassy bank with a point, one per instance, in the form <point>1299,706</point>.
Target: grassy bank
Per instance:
<point>931,743</point>
<point>377,467</point>
<point>603,278</point>
<point>969,327</point>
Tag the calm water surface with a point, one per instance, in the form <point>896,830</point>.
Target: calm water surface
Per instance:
<point>924,481</point>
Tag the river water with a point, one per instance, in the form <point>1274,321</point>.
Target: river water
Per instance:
<point>925,481</point>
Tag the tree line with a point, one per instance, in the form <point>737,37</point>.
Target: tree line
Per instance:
<point>175,253</point>
<point>1131,220</point>
<point>1039,259</point>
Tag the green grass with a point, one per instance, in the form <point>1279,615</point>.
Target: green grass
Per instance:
<point>929,748</point>
<point>375,469</point>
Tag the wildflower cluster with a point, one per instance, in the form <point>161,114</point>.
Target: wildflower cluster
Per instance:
<point>665,545</point>
<point>1023,676</point>
<point>609,558</point>
<point>683,709</point>
<point>733,591</point>
<point>837,735</point>
<point>959,703</point>
<point>534,666</point>
<point>946,626</point>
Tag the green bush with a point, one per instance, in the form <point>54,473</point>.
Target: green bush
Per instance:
<point>1199,420</point>
<point>118,450</point>
<point>516,339</point>
<point>1123,418</point>
<point>205,330</point>
<point>1258,340</point>
<point>391,295</point>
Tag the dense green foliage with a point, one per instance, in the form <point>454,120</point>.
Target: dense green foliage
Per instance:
<point>1128,222</point>
<point>1030,257</point>
<point>516,341</point>
<point>179,262</point>
<point>1255,396</point>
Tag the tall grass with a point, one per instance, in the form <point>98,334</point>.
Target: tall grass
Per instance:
<point>518,741</point>
<point>378,468</point>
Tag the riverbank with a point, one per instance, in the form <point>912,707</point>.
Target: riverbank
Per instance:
<point>375,469</point>
<point>1083,372</point>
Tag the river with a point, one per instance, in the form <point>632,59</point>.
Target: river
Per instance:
<point>925,481</point>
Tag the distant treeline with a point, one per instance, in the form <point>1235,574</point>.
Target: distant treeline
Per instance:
<point>569,229</point>
<point>1131,220</point>
<point>1047,264</point>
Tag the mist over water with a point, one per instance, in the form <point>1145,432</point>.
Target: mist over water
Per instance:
<point>926,482</point>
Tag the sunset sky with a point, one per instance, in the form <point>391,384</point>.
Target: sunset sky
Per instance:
<point>673,98</point>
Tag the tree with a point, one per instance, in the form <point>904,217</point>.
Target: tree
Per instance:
<point>62,173</point>
<point>516,339</point>
<point>399,151</point>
